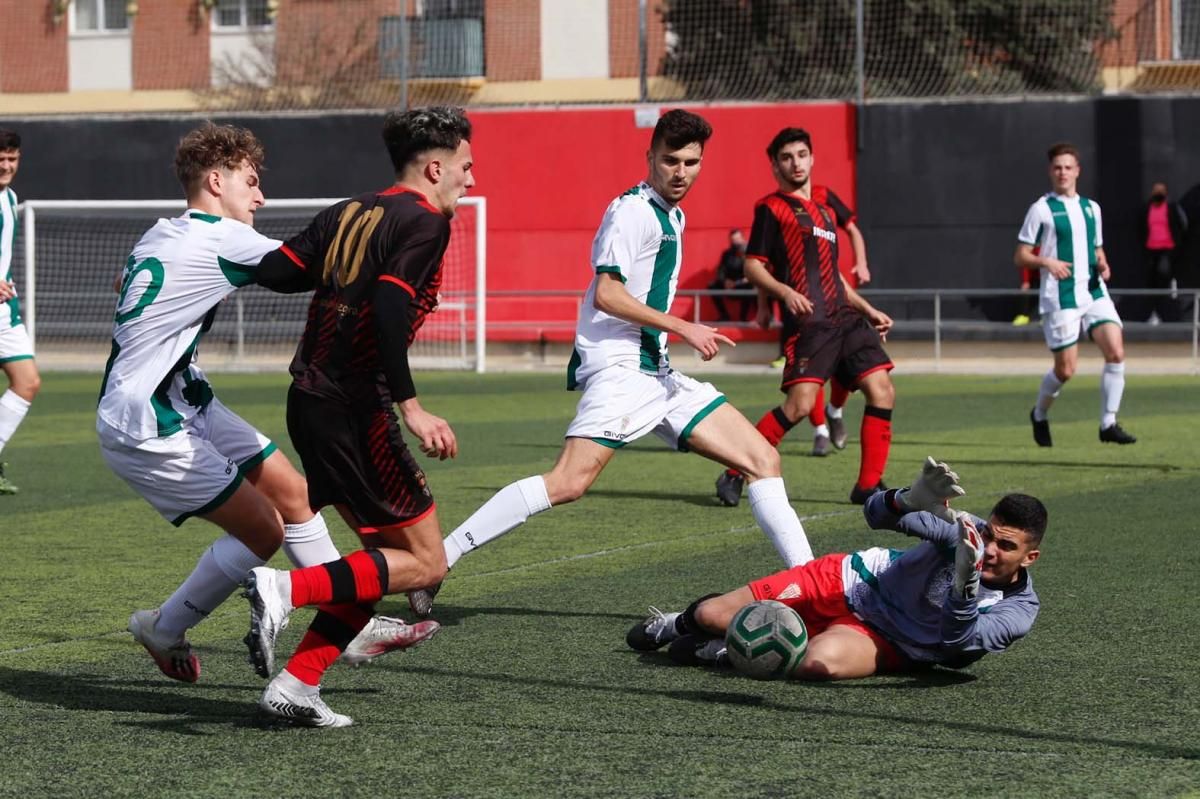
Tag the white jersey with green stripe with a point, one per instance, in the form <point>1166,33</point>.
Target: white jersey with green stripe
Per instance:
<point>640,240</point>
<point>1069,229</point>
<point>174,278</point>
<point>10,310</point>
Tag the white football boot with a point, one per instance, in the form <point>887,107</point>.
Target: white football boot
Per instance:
<point>288,699</point>
<point>269,610</point>
<point>174,657</point>
<point>385,634</point>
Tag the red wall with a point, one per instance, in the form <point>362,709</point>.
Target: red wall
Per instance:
<point>549,174</point>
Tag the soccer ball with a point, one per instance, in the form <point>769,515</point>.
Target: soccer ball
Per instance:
<point>766,640</point>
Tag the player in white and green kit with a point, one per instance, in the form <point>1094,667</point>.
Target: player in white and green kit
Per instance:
<point>16,350</point>
<point>161,428</point>
<point>1063,237</point>
<point>620,363</point>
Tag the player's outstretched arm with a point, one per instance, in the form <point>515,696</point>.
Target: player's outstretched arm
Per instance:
<point>884,512</point>
<point>282,272</point>
<point>613,298</point>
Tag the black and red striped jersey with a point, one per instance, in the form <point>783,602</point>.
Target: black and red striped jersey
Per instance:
<point>798,239</point>
<point>395,235</point>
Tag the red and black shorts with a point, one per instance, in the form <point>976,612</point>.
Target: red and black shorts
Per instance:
<point>846,347</point>
<point>355,457</point>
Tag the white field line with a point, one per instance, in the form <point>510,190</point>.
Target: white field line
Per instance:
<point>226,609</point>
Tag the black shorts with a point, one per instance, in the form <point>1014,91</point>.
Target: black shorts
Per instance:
<point>847,348</point>
<point>356,457</point>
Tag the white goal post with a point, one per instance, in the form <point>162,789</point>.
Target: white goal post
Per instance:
<point>73,250</point>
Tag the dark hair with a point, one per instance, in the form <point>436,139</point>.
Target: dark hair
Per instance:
<point>407,134</point>
<point>1062,148</point>
<point>212,146</point>
<point>785,137</point>
<point>1025,513</point>
<point>9,140</point>
<point>678,128</point>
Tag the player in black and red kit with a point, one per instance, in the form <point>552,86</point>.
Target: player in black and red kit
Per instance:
<point>792,256</point>
<point>374,262</point>
<point>831,435</point>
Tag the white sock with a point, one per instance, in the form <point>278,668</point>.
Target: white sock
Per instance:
<point>218,573</point>
<point>777,518</point>
<point>832,411</point>
<point>294,685</point>
<point>511,506</point>
<point>308,543</point>
<point>12,410</point>
<point>1048,392</point>
<point>821,430</point>
<point>1112,386</point>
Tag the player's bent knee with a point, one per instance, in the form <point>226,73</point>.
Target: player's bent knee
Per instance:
<point>815,668</point>
<point>881,395</point>
<point>27,387</point>
<point>764,461</point>
<point>711,616</point>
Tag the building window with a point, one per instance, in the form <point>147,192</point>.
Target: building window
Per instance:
<point>100,15</point>
<point>242,14</point>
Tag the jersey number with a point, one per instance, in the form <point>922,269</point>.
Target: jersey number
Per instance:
<point>155,268</point>
<point>345,255</point>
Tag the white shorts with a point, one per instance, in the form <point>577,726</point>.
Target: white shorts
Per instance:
<point>620,405</point>
<point>1062,328</point>
<point>15,344</point>
<point>193,471</point>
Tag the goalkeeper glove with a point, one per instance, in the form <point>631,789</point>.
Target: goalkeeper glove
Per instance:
<point>934,487</point>
<point>968,558</point>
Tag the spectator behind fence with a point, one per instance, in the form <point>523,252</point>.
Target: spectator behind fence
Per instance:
<point>731,275</point>
<point>1161,230</point>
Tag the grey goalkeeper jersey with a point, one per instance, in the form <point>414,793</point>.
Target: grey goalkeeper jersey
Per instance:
<point>911,604</point>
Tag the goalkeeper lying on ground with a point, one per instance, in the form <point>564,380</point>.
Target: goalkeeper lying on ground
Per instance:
<point>962,592</point>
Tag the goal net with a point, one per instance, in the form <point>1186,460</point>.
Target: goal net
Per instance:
<point>72,251</point>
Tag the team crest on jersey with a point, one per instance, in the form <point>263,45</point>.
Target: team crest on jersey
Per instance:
<point>801,365</point>
<point>792,591</point>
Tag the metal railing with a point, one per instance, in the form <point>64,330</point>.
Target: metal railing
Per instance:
<point>945,315</point>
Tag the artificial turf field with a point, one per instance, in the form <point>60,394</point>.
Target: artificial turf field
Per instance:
<point>529,689</point>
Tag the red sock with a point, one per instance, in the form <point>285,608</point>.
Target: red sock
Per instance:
<point>876,434</point>
<point>331,631</point>
<point>817,414</point>
<point>359,577</point>
<point>838,394</point>
<point>774,426</point>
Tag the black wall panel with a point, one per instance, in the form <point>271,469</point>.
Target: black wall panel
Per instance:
<point>942,190</point>
<point>126,159</point>
<point>943,187</point>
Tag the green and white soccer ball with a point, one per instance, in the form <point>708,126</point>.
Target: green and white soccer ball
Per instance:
<point>766,640</point>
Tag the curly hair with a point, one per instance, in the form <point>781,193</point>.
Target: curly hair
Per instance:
<point>407,134</point>
<point>214,146</point>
